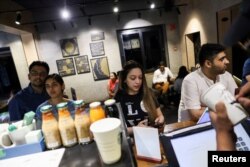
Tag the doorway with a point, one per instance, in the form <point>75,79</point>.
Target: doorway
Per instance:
<point>193,45</point>
<point>8,75</point>
<point>235,54</point>
<point>144,45</point>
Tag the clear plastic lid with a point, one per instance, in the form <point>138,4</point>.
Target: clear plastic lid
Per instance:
<point>109,102</point>
<point>78,102</point>
<point>46,108</point>
<point>62,105</point>
<point>94,104</point>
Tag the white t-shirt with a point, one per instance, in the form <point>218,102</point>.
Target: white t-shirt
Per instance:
<point>194,85</point>
<point>162,76</point>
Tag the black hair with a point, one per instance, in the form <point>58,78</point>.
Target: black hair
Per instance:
<point>209,51</point>
<point>131,64</point>
<point>148,97</point>
<point>56,77</point>
<point>162,63</point>
<point>182,72</point>
<point>114,74</point>
<point>39,63</point>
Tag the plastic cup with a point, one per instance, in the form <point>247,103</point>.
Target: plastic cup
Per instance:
<point>107,137</point>
<point>218,92</point>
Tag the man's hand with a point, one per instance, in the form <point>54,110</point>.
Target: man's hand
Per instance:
<point>225,136</point>
<point>242,98</point>
<point>220,118</point>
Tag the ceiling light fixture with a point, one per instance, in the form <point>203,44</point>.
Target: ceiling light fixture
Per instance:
<point>18,18</point>
<point>115,9</point>
<point>65,13</point>
<point>152,5</point>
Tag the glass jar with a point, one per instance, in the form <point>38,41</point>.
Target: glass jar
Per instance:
<point>82,123</point>
<point>66,125</point>
<point>50,128</point>
<point>111,108</point>
<point>96,112</point>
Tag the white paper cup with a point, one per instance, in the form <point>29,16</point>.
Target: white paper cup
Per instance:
<point>218,92</point>
<point>5,141</point>
<point>18,136</point>
<point>107,137</point>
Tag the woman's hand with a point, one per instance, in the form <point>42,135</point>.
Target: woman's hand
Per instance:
<point>143,123</point>
<point>159,120</point>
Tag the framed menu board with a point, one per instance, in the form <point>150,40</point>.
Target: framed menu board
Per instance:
<point>69,47</point>
<point>66,67</point>
<point>97,36</point>
<point>82,64</point>
<point>100,68</point>
<point>97,49</point>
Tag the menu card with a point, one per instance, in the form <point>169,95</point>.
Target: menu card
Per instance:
<point>43,159</point>
<point>147,143</point>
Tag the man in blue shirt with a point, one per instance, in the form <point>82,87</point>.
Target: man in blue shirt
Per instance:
<point>32,96</point>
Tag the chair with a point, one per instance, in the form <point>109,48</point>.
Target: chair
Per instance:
<point>73,93</point>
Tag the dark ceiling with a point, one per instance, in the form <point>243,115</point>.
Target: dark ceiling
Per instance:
<point>49,10</point>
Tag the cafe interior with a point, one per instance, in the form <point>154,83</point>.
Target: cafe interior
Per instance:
<point>73,36</point>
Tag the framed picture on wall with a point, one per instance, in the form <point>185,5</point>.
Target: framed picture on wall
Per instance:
<point>69,47</point>
<point>82,64</point>
<point>100,68</point>
<point>97,49</point>
<point>97,36</point>
<point>135,43</point>
<point>66,67</point>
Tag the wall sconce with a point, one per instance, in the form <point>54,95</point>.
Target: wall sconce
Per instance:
<point>118,18</point>
<point>178,10</point>
<point>18,18</point>
<point>73,24</point>
<point>138,14</point>
<point>89,21</point>
<point>83,11</point>
<point>160,12</point>
<point>53,25</point>
<point>36,28</point>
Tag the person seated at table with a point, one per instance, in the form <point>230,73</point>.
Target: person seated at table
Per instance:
<point>175,90</point>
<point>136,99</point>
<point>29,98</point>
<point>54,86</point>
<point>160,78</point>
<point>112,85</point>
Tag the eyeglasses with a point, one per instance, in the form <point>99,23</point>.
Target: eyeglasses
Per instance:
<point>35,73</point>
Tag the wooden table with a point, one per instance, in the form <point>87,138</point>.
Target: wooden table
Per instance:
<point>168,128</point>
